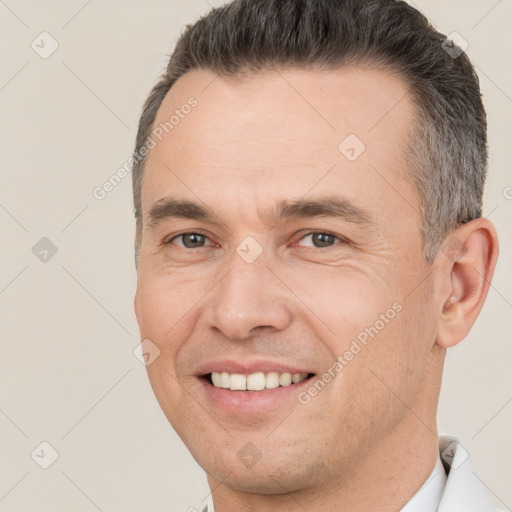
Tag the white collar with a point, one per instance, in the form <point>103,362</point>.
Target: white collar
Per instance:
<point>427,499</point>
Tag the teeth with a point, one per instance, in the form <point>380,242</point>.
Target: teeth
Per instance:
<point>237,382</point>
<point>285,379</point>
<point>272,380</point>
<point>224,380</point>
<point>255,381</point>
<point>216,379</point>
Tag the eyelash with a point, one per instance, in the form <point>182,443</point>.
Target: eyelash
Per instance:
<point>199,232</point>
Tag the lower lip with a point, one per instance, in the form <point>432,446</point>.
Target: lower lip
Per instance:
<point>252,402</point>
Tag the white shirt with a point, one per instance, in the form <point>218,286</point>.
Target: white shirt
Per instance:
<point>428,497</point>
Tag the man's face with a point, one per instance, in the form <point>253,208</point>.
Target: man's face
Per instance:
<point>268,285</point>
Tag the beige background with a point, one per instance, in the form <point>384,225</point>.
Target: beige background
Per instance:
<point>67,372</point>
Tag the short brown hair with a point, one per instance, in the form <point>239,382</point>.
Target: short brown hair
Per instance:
<point>447,151</point>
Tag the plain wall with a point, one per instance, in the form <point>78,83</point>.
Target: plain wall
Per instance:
<point>67,372</point>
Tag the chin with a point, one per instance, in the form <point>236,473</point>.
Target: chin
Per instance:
<point>272,474</point>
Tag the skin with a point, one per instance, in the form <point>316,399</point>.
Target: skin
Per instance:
<point>249,144</point>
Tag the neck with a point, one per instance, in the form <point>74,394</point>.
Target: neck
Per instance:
<point>385,480</point>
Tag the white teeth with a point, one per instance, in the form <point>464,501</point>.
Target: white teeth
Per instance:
<point>285,379</point>
<point>216,379</point>
<point>297,377</point>
<point>224,380</point>
<point>272,380</point>
<point>255,381</point>
<point>237,382</point>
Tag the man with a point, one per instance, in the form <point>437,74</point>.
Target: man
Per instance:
<point>308,189</point>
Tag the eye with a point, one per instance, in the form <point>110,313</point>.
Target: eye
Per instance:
<point>197,240</point>
<point>190,240</point>
<point>320,239</point>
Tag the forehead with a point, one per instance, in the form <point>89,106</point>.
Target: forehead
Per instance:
<point>282,130</point>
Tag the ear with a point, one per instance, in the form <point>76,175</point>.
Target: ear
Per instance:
<point>467,260</point>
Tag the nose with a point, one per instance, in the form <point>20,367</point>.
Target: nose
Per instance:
<point>248,298</point>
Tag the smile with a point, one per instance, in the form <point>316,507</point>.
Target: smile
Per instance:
<point>258,381</point>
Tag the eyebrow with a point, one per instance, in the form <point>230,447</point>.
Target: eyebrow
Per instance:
<point>330,206</point>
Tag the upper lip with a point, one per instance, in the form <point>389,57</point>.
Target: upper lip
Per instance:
<point>249,367</point>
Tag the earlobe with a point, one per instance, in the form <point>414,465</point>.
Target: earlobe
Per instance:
<point>467,259</point>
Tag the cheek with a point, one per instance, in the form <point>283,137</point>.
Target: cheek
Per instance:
<point>379,375</point>
<point>164,315</point>
<point>343,302</point>
<point>165,306</point>
<point>382,339</point>
<point>167,392</point>
<point>393,363</point>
